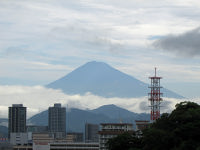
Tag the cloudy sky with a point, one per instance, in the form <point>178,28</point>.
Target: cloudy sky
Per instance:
<point>43,40</point>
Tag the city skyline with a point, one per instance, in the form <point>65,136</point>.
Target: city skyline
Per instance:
<point>42,41</point>
<point>47,96</point>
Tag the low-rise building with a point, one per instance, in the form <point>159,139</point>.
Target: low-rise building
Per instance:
<point>74,137</point>
<point>41,141</point>
<point>22,147</point>
<point>74,146</point>
<point>141,124</point>
<point>58,146</point>
<point>19,138</point>
<point>111,130</point>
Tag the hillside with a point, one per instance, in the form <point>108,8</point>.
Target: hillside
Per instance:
<point>77,118</point>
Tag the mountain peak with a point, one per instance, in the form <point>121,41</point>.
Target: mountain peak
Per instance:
<point>103,80</point>
<point>94,66</point>
<point>96,63</point>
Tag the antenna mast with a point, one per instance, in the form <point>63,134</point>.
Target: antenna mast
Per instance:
<point>155,97</point>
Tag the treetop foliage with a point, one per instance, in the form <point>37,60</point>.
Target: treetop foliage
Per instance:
<point>179,130</point>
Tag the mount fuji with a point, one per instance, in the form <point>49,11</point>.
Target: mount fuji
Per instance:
<point>103,80</point>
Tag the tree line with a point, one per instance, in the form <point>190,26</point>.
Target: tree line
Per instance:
<point>179,130</point>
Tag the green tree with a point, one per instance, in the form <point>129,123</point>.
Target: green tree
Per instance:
<point>179,130</point>
<point>126,141</point>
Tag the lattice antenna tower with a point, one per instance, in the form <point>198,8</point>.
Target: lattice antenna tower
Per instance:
<point>155,97</point>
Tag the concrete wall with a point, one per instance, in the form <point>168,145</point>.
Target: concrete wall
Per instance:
<point>18,138</point>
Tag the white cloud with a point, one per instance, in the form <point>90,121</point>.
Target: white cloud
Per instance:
<point>41,71</point>
<point>38,98</point>
<point>40,39</point>
<point>80,21</point>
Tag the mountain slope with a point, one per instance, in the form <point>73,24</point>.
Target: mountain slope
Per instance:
<point>77,118</point>
<point>101,79</point>
<point>114,111</point>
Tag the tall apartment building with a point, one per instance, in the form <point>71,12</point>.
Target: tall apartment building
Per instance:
<point>57,120</point>
<point>16,119</point>
<point>91,132</point>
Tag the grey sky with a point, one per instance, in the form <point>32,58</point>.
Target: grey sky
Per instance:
<point>43,40</point>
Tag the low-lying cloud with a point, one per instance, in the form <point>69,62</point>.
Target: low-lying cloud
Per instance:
<point>38,98</point>
<point>186,44</point>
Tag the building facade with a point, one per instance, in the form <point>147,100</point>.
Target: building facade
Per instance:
<point>91,132</point>
<point>141,124</point>
<point>16,119</point>
<point>59,146</point>
<point>75,137</point>
<point>57,120</point>
<point>74,146</point>
<point>111,130</point>
<point>19,138</point>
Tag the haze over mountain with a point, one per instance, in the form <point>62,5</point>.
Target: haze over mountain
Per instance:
<point>76,118</point>
<point>103,80</point>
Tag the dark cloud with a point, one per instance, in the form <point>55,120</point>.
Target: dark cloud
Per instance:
<point>186,44</point>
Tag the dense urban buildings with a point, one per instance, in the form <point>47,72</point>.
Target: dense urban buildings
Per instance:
<point>45,141</point>
<point>91,132</point>
<point>54,137</point>
<point>57,120</point>
<point>16,119</point>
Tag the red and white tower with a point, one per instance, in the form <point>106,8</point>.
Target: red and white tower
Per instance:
<point>155,97</point>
